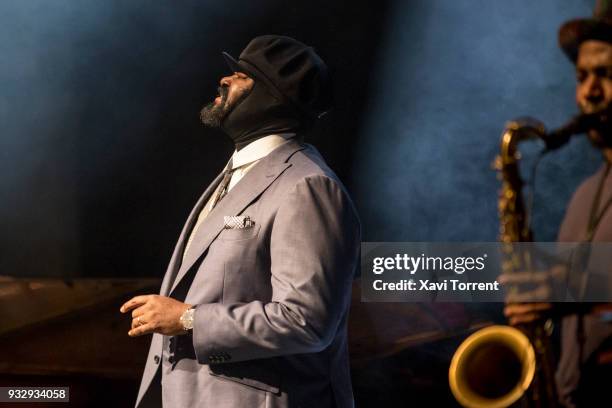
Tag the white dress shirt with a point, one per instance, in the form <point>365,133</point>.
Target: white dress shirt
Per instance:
<point>242,161</point>
<point>248,156</point>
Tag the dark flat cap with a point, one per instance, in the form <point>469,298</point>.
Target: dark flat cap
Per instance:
<point>575,32</point>
<point>291,70</point>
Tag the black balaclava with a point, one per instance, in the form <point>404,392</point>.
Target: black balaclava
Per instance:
<point>259,114</point>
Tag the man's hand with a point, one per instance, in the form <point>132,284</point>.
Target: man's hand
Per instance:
<point>155,314</point>
<point>535,286</point>
<point>529,294</point>
<point>521,313</point>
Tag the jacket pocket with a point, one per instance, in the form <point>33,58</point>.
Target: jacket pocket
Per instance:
<point>257,376</point>
<point>239,234</point>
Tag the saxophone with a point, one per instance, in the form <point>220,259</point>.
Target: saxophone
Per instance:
<point>499,365</point>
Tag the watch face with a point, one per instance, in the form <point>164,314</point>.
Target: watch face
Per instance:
<point>187,319</point>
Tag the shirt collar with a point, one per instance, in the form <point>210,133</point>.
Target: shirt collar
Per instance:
<point>258,149</point>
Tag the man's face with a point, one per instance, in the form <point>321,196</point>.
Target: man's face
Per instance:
<point>232,89</point>
<point>594,81</point>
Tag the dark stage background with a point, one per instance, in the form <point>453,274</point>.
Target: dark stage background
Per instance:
<point>102,154</point>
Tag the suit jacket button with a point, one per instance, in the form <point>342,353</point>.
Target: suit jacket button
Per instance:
<point>156,359</point>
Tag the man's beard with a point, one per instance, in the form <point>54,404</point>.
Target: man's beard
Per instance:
<point>213,114</point>
<point>600,135</point>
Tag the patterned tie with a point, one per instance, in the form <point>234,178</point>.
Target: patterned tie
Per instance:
<point>219,193</point>
<point>222,190</point>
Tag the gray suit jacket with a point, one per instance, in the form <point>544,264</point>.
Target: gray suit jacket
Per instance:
<point>272,300</point>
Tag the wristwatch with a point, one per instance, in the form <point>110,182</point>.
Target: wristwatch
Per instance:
<point>187,319</point>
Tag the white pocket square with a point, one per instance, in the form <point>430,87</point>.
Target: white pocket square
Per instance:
<point>237,222</point>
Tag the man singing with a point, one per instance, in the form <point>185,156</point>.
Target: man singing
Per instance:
<point>252,311</point>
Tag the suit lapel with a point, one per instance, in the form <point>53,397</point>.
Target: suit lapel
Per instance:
<point>255,182</point>
<point>175,261</point>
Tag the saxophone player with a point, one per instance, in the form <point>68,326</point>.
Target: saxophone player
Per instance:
<point>584,372</point>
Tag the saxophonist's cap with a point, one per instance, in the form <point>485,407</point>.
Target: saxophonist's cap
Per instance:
<point>575,32</point>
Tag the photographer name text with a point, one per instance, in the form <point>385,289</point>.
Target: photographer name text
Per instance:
<point>431,286</point>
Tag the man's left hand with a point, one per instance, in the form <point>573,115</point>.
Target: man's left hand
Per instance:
<point>155,314</point>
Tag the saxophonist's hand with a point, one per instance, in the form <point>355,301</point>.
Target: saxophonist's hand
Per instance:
<point>518,313</point>
<point>521,313</point>
<point>529,294</point>
<point>535,286</point>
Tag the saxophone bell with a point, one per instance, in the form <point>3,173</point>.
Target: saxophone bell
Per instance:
<point>492,368</point>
